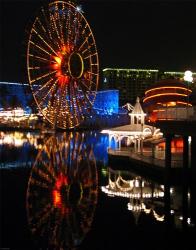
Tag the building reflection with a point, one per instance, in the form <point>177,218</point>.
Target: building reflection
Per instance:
<point>19,149</point>
<point>165,203</point>
<point>19,139</point>
<point>62,192</point>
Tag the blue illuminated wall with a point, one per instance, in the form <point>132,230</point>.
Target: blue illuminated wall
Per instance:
<point>107,102</point>
<point>105,112</point>
<point>13,95</point>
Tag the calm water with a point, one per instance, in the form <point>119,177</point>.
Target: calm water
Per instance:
<point>59,192</point>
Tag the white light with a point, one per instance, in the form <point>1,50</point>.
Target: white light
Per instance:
<point>137,184</point>
<point>188,76</point>
<point>79,9</point>
<point>172,211</point>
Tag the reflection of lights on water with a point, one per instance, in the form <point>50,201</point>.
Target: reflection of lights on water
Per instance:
<point>171,190</point>
<point>189,139</point>
<point>18,139</point>
<point>62,185</point>
<point>142,207</point>
<point>137,184</point>
<point>104,172</point>
<point>158,217</point>
<point>171,211</point>
<point>15,139</point>
<point>188,220</point>
<point>131,195</point>
<point>136,208</point>
<point>56,198</point>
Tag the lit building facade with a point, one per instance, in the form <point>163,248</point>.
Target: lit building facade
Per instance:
<point>17,108</point>
<point>17,105</point>
<point>130,82</point>
<point>134,82</point>
<point>107,102</point>
<point>168,99</point>
<point>15,95</point>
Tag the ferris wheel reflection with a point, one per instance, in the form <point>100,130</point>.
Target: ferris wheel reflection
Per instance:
<point>62,192</point>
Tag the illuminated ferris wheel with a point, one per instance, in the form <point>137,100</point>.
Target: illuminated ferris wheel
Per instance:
<point>62,64</point>
<point>62,192</point>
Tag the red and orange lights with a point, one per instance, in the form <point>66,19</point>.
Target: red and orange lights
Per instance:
<point>60,64</point>
<point>166,94</point>
<point>57,198</point>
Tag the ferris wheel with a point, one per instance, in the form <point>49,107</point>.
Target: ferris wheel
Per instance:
<point>62,192</point>
<point>62,64</point>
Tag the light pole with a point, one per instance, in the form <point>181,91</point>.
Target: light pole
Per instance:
<point>188,78</point>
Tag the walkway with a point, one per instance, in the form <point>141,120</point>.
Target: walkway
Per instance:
<point>145,157</point>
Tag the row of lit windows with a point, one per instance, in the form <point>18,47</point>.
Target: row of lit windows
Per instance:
<point>132,76</point>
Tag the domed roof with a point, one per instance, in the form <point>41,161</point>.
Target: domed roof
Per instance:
<point>168,82</point>
<point>167,91</point>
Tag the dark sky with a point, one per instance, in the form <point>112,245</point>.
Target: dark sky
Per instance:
<point>132,34</point>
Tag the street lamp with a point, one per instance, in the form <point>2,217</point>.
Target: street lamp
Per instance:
<point>188,77</point>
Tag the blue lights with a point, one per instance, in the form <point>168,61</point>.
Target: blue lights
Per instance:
<point>104,113</point>
<point>107,102</point>
<point>14,95</point>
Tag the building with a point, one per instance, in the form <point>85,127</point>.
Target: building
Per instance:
<point>168,99</point>
<point>133,133</point>
<point>106,102</point>
<point>17,106</point>
<point>15,95</point>
<point>130,82</point>
<point>134,82</point>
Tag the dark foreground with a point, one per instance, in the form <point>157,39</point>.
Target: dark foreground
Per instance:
<point>58,203</point>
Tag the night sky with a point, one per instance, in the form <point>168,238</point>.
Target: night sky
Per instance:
<point>131,34</point>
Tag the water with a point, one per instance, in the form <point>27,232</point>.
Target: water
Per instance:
<point>59,192</point>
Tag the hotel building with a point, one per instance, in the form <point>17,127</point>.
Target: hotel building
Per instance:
<point>134,82</point>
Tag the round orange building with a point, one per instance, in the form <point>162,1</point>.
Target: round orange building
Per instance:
<point>166,94</point>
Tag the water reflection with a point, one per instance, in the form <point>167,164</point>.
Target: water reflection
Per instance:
<point>164,203</point>
<point>18,139</point>
<point>19,149</point>
<point>62,195</point>
<point>62,192</point>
